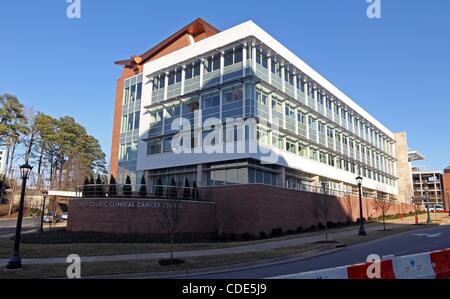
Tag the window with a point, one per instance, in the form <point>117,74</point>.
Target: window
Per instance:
<point>191,106</point>
<point>261,56</point>
<point>312,123</point>
<point>228,57</point>
<point>323,157</point>
<point>262,135</point>
<point>137,116</point>
<point>153,146</point>
<point>289,112</point>
<point>173,111</point>
<point>301,118</point>
<point>159,82</point>
<point>233,94</point>
<point>130,122</point>
<point>238,54</point>
<point>290,146</point>
<point>210,100</point>
<point>139,91</point>
<point>277,141</point>
<point>313,154</point>
<point>167,145</point>
<point>302,150</point>
<point>330,132</point>
<point>328,104</point>
<point>213,63</point>
<point>261,97</point>
<point>276,68</point>
<point>321,128</point>
<point>155,116</point>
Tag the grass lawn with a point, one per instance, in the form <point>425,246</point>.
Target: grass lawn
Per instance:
<point>105,268</point>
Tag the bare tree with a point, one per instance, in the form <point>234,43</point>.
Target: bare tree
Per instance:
<point>170,219</point>
<point>383,204</point>
<point>321,209</point>
<point>349,203</point>
<point>221,214</point>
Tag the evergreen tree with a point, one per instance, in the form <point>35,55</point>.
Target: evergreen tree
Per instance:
<point>143,187</point>
<point>186,190</point>
<point>127,187</point>
<point>194,191</point>
<point>172,190</point>
<point>91,188</point>
<point>159,189</point>
<point>99,187</point>
<point>85,187</point>
<point>112,190</point>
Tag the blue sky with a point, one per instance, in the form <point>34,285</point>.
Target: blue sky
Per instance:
<point>396,67</point>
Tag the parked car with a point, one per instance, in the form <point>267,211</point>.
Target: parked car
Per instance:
<point>65,216</point>
<point>51,217</point>
<point>435,207</point>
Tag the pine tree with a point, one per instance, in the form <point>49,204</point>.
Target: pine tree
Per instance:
<point>127,187</point>
<point>99,187</point>
<point>112,190</point>
<point>159,189</point>
<point>172,192</point>
<point>186,190</point>
<point>143,187</point>
<point>85,187</point>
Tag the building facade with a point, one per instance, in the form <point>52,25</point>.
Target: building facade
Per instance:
<point>428,180</point>
<point>292,128</point>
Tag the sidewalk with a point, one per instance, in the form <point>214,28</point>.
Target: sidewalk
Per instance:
<point>261,246</point>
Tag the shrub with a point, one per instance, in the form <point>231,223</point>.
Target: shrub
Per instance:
<point>232,237</point>
<point>320,226</point>
<point>277,231</point>
<point>349,222</point>
<point>247,236</point>
<point>312,228</point>
<point>289,232</point>
<point>300,229</point>
<point>331,224</point>
<point>340,224</point>
<point>262,235</point>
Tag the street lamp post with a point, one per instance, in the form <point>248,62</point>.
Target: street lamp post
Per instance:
<point>41,228</point>
<point>428,205</point>
<point>362,231</point>
<point>15,262</point>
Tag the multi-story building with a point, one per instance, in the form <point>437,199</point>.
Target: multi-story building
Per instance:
<point>318,134</point>
<point>431,180</point>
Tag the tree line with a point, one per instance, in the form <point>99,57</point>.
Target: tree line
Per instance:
<point>60,150</point>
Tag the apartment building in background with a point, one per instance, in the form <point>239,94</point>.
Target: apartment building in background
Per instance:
<point>431,180</point>
<point>320,135</point>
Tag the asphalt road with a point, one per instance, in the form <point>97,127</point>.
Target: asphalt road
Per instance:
<point>417,241</point>
<point>8,226</point>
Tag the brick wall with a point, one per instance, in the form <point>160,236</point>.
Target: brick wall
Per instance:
<point>243,208</point>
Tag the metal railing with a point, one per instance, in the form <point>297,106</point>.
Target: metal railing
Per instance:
<point>137,191</point>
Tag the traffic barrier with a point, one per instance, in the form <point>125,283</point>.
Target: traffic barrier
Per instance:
<point>424,265</point>
<point>386,270</point>
<point>413,266</point>
<point>440,260</point>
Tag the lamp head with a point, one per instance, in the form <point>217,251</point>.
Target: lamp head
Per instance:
<point>359,179</point>
<point>25,170</point>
